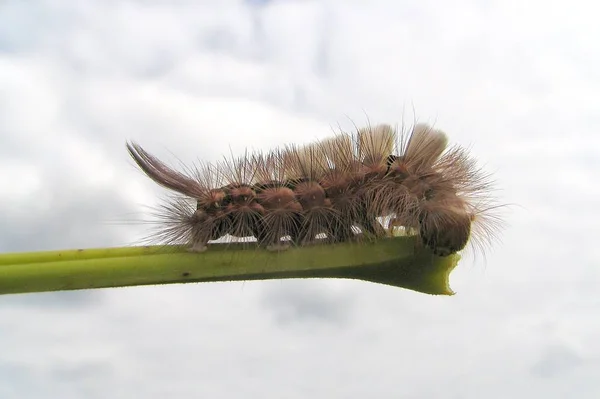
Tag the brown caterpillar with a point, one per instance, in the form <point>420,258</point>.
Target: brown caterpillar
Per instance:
<point>333,188</point>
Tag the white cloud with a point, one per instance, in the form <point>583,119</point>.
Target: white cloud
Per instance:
<point>187,80</point>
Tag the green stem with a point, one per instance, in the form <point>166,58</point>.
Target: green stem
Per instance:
<point>393,261</point>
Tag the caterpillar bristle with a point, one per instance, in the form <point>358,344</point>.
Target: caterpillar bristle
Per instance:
<point>375,144</point>
<point>174,221</point>
<point>339,152</point>
<point>307,162</point>
<point>424,146</point>
<point>340,189</point>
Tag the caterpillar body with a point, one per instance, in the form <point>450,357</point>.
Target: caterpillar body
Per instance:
<point>340,188</point>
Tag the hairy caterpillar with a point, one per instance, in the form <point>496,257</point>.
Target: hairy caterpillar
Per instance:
<point>339,188</point>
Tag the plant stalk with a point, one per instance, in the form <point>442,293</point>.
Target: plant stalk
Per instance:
<point>396,261</point>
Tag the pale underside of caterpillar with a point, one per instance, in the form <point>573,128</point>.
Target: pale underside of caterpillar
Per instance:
<point>340,188</point>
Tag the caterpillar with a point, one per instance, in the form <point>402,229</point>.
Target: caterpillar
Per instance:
<point>341,189</point>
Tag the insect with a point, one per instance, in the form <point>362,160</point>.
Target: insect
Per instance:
<point>342,188</point>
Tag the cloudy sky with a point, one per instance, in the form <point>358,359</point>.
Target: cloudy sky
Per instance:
<point>518,82</point>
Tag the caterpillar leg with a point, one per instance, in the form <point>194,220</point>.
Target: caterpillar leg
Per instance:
<point>269,236</point>
<point>282,246</point>
<point>342,233</point>
<point>204,228</point>
<point>281,218</point>
<point>317,216</point>
<point>197,247</point>
<point>199,241</point>
<point>370,226</point>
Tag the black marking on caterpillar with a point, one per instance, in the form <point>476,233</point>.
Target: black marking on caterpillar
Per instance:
<point>332,188</point>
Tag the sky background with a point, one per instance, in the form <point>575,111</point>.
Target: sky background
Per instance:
<point>516,81</point>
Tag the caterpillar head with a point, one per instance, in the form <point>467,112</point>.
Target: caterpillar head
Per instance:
<point>445,229</point>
